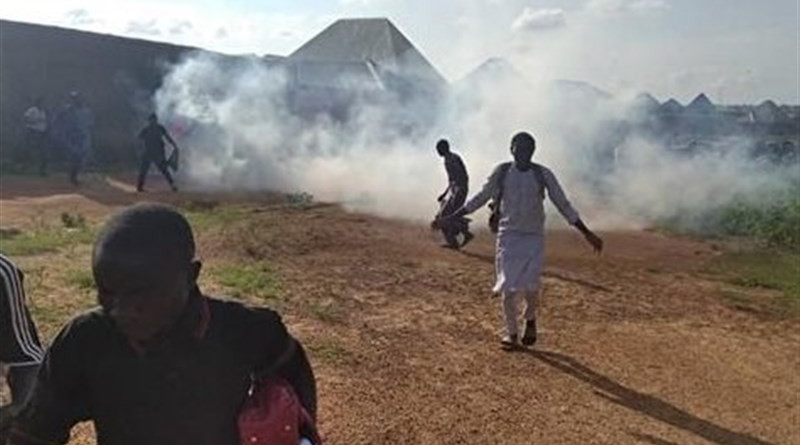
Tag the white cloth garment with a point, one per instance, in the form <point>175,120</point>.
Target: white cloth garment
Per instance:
<point>511,309</point>
<point>519,257</point>
<point>36,119</point>
<point>519,260</point>
<point>522,209</point>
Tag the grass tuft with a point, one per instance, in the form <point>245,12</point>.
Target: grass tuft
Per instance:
<point>762,269</point>
<point>256,280</point>
<point>44,240</point>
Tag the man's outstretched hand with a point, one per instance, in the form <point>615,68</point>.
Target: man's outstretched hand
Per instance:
<point>595,241</point>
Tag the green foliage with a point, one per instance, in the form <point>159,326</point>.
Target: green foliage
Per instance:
<point>327,312</point>
<point>81,279</point>
<point>300,199</point>
<point>774,220</point>
<point>70,221</point>
<point>329,351</point>
<point>764,269</point>
<point>203,215</point>
<point>43,240</point>
<point>256,280</point>
<point>776,223</point>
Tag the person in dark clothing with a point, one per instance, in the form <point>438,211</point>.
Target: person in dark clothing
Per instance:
<point>20,349</point>
<point>153,136</point>
<point>73,128</point>
<point>158,363</point>
<point>454,196</point>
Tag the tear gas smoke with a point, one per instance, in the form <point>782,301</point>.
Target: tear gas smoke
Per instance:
<point>236,120</point>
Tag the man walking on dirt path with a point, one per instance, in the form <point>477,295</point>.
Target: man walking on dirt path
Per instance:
<point>453,197</point>
<point>158,363</point>
<point>518,190</point>
<point>20,349</point>
<point>153,136</point>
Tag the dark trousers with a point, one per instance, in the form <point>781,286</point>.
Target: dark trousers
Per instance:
<point>157,158</point>
<point>20,380</point>
<point>75,166</point>
<point>36,144</point>
<point>454,200</point>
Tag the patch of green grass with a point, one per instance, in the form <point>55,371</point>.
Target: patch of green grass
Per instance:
<point>70,221</point>
<point>203,215</point>
<point>765,269</point>
<point>43,240</point>
<point>81,279</point>
<point>773,220</point>
<point>255,280</point>
<point>300,200</point>
<point>327,312</point>
<point>743,301</point>
<point>329,351</point>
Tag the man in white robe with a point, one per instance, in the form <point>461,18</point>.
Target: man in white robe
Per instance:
<point>519,259</point>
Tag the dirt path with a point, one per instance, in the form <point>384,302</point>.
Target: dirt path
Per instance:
<point>637,346</point>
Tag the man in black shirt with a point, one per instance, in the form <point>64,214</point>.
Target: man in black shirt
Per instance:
<point>454,197</point>
<point>158,363</point>
<point>153,136</point>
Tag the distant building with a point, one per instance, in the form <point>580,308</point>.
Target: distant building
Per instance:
<point>361,59</point>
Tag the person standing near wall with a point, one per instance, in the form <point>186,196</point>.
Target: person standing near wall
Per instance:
<point>74,126</point>
<point>35,120</point>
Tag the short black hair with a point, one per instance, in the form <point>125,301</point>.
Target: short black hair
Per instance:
<point>524,139</point>
<point>443,144</point>
<point>148,229</point>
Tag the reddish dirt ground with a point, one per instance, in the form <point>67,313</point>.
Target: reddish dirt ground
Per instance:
<point>637,345</point>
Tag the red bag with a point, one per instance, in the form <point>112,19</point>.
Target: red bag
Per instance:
<point>273,415</point>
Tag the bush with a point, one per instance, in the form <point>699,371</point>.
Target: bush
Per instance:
<point>774,220</point>
<point>777,222</point>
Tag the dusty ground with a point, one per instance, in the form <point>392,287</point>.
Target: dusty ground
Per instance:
<point>637,345</point>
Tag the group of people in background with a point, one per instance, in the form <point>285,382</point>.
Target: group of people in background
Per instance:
<point>156,340</point>
<point>68,133</point>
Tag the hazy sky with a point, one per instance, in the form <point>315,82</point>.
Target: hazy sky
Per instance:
<point>734,50</point>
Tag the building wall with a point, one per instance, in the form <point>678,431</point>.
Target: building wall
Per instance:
<point>116,76</point>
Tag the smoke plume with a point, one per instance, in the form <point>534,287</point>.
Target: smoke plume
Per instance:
<point>236,122</point>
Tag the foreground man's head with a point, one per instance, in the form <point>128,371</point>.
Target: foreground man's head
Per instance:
<point>144,267</point>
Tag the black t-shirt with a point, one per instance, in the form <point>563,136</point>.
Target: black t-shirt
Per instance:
<point>456,171</point>
<point>188,390</point>
<point>153,136</point>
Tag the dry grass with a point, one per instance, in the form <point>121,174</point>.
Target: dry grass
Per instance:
<point>403,334</point>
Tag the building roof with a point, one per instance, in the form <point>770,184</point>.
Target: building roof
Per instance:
<point>701,105</point>
<point>374,40</point>
<point>671,106</point>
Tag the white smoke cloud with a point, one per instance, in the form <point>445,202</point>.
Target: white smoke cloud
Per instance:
<point>236,122</point>
<point>536,19</point>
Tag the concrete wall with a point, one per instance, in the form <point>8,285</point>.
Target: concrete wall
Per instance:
<point>116,77</point>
